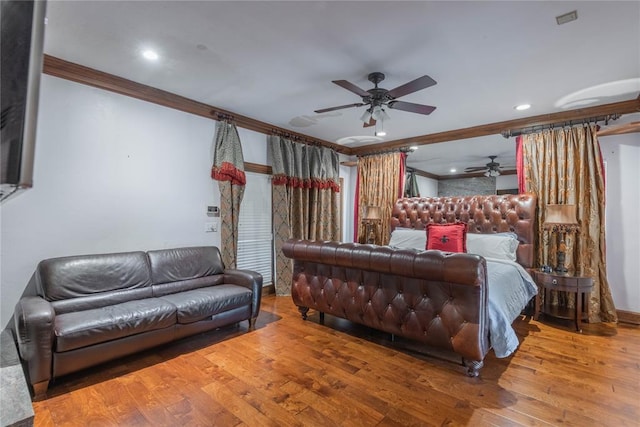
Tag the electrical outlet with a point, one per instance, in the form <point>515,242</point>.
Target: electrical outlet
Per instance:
<point>210,227</point>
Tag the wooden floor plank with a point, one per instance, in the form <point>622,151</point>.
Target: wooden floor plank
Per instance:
<point>303,373</point>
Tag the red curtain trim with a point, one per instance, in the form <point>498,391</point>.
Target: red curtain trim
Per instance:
<point>228,172</point>
<point>401,183</point>
<point>292,181</point>
<point>356,206</point>
<point>520,165</point>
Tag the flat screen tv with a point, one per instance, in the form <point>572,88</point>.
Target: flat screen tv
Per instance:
<point>21,44</point>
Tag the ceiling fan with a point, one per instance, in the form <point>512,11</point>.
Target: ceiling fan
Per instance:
<point>377,98</point>
<point>491,169</point>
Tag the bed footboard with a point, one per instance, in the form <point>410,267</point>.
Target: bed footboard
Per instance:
<point>436,298</point>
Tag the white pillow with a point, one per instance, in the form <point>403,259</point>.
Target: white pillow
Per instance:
<point>500,246</point>
<point>408,238</point>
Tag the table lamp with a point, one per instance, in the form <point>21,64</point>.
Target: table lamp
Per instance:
<point>372,215</point>
<point>560,219</point>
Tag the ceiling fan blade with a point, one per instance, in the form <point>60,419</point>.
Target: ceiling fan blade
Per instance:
<point>476,169</point>
<point>325,110</point>
<point>372,122</point>
<point>351,87</point>
<point>413,86</point>
<point>411,107</point>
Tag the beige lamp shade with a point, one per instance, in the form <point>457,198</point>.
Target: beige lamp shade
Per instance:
<point>372,213</point>
<point>560,215</point>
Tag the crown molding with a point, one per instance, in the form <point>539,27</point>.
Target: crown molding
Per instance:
<point>80,74</point>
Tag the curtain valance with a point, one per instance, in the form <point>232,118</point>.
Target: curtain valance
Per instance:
<point>303,166</point>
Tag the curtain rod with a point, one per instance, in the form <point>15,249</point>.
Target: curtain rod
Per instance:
<point>223,116</point>
<point>295,137</point>
<point>405,150</point>
<point>532,129</point>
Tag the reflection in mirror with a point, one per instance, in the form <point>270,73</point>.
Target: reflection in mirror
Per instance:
<point>441,167</point>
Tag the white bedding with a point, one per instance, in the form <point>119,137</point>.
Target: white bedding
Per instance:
<point>510,289</point>
<point>510,286</point>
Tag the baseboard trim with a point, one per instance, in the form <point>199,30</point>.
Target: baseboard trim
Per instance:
<point>628,317</point>
<point>268,290</point>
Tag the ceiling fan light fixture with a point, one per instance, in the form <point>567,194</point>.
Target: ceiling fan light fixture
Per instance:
<point>379,130</point>
<point>366,116</point>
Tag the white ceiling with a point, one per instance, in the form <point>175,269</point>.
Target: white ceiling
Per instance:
<point>274,61</point>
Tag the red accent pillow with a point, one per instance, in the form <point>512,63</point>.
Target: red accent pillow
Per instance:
<point>447,237</point>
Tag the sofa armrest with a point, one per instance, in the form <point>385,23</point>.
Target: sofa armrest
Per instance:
<point>249,279</point>
<point>34,324</point>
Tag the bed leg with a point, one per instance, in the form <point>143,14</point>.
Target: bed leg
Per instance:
<point>303,311</point>
<point>473,367</point>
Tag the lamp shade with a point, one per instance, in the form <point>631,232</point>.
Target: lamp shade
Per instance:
<point>372,213</point>
<point>560,215</point>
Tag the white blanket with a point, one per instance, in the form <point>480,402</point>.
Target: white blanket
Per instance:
<point>510,289</point>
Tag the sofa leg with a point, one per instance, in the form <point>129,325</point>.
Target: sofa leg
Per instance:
<point>40,390</point>
<point>303,311</point>
<point>252,323</point>
<point>322,317</point>
<point>473,367</point>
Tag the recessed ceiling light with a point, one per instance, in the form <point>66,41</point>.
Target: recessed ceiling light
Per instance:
<point>522,107</point>
<point>381,133</point>
<point>150,55</point>
<point>453,170</point>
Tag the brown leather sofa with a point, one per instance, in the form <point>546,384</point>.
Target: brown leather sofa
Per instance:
<point>437,298</point>
<point>94,308</point>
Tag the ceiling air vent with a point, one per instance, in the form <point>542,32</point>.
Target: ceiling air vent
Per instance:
<point>567,17</point>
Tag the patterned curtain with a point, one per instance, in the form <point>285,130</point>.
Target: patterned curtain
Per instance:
<point>378,178</point>
<point>565,166</point>
<point>228,170</point>
<point>305,199</point>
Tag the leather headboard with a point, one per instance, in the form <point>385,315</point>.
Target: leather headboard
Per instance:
<point>483,214</point>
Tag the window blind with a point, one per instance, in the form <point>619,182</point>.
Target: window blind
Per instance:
<point>255,240</point>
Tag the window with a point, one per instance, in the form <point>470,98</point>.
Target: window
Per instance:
<point>255,240</point>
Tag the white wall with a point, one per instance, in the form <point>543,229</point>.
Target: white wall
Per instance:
<point>112,174</point>
<point>622,156</point>
<point>506,182</point>
<point>428,186</point>
<point>348,194</point>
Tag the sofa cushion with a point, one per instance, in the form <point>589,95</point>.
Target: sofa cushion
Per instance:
<point>201,303</point>
<point>84,328</point>
<point>186,285</point>
<point>101,299</point>
<point>171,265</point>
<point>77,276</point>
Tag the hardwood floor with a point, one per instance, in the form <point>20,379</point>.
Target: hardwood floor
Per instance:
<point>294,372</point>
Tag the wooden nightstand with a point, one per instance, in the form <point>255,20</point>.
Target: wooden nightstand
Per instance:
<point>566,282</point>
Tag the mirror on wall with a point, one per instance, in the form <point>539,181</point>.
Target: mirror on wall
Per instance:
<point>442,167</point>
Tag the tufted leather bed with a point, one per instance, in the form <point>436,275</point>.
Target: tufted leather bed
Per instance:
<point>437,298</point>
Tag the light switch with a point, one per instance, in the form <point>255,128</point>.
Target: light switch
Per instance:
<point>210,227</point>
